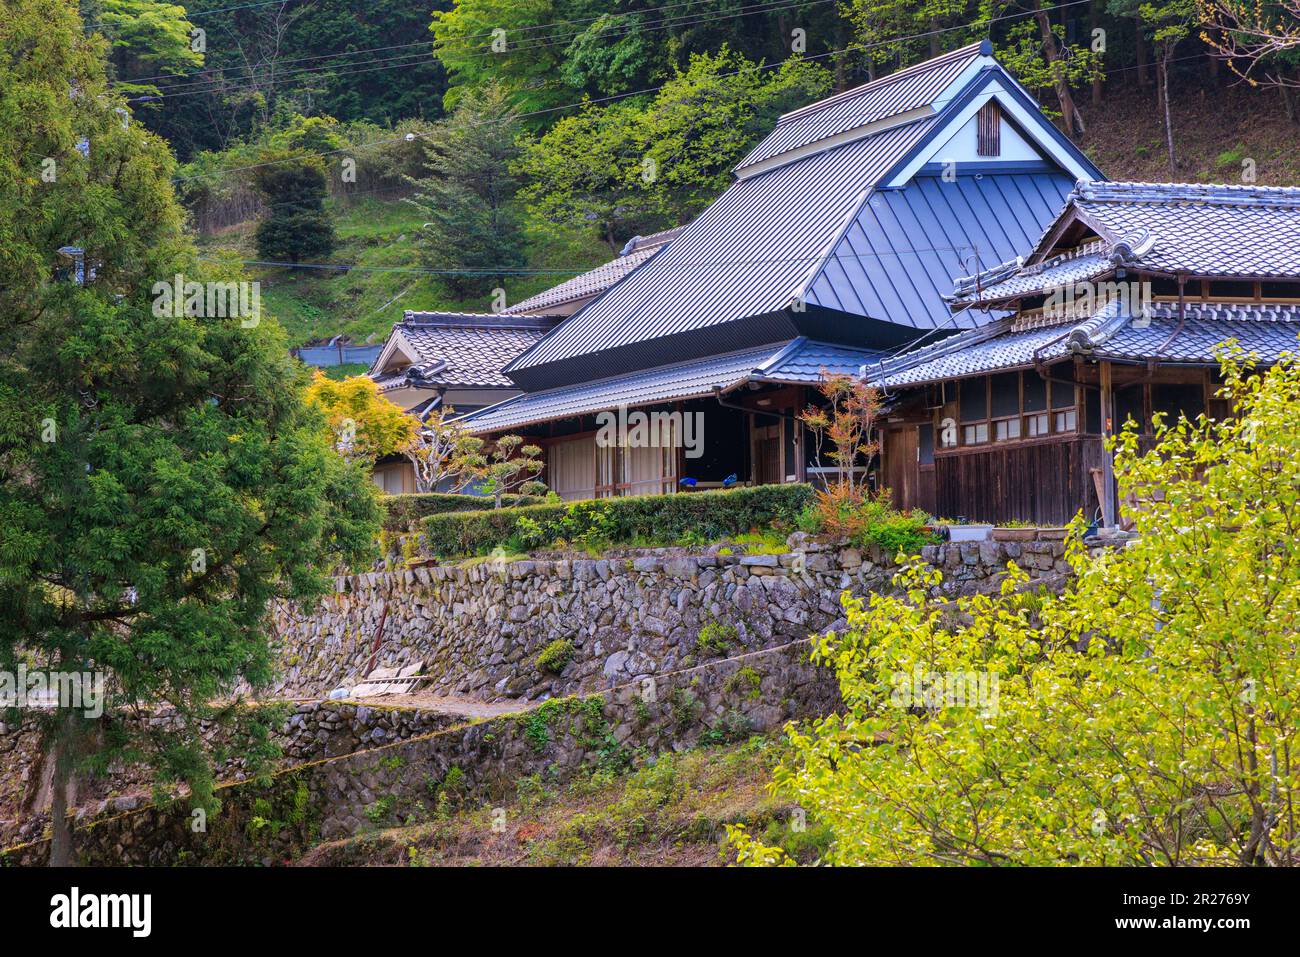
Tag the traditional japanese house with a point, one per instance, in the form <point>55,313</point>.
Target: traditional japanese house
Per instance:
<point>440,360</point>
<point>832,249</point>
<point>1116,314</point>
<point>434,360</point>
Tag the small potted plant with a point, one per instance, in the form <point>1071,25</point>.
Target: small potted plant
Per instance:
<point>1015,532</point>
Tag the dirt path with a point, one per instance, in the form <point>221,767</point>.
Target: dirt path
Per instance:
<point>445,704</point>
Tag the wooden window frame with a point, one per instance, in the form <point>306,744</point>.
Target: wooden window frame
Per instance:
<point>990,422</point>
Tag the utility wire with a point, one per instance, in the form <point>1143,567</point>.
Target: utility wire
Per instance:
<point>652,89</point>
<point>215,84</point>
<point>465,39</point>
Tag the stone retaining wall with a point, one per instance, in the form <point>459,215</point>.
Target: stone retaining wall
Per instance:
<point>408,780</point>
<point>478,628</point>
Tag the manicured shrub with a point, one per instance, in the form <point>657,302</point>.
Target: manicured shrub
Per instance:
<point>403,511</point>
<point>866,520</point>
<point>639,519</point>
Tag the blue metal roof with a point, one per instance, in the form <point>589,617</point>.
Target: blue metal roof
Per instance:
<point>898,256</point>
<point>1266,330</point>
<point>748,254</point>
<point>900,92</point>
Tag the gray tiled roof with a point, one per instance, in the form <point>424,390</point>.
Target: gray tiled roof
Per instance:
<point>596,281</point>
<point>462,349</point>
<point>799,361</point>
<point>804,361</point>
<point>1014,279</point>
<point>1260,328</point>
<point>1202,229</point>
<point>888,96</point>
<point>1207,229</point>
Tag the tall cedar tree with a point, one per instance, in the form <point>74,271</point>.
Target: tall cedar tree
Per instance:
<point>162,480</point>
<point>469,194</point>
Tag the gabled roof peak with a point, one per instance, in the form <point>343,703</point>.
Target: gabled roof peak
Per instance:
<point>908,96</point>
<point>979,48</point>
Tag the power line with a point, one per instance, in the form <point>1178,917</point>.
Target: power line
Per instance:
<point>460,39</point>
<point>215,84</point>
<point>501,270</point>
<point>654,89</point>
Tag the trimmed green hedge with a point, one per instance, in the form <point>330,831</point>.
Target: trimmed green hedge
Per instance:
<point>403,511</point>
<point>651,519</point>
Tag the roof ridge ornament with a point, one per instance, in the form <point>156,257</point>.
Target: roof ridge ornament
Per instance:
<point>1100,326</point>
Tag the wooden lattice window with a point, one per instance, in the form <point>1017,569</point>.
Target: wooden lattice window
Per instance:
<point>988,131</point>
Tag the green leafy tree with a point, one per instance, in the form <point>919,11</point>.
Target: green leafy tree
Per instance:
<point>1038,53</point>
<point>296,226</point>
<point>469,194</point>
<point>149,38</point>
<point>627,169</point>
<point>1148,715</point>
<point>510,42</point>
<point>162,480</point>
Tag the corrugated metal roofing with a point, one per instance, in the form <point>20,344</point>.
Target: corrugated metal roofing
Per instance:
<point>597,280</point>
<point>888,96</point>
<point>1264,329</point>
<point>748,254</point>
<point>897,258</point>
<point>663,384</point>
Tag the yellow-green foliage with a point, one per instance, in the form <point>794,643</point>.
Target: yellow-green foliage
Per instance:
<point>555,656</point>
<point>1150,715</point>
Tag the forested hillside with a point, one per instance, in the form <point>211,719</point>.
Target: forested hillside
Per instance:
<point>365,159</point>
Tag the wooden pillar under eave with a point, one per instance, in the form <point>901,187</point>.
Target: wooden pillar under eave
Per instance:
<point>1108,504</point>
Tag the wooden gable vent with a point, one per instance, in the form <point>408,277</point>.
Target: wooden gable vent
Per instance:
<point>988,130</point>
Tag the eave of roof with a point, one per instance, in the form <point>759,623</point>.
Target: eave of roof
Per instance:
<point>1113,334</point>
<point>797,362</point>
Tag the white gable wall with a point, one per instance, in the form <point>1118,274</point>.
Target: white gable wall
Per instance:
<point>1033,123</point>
<point>961,146</point>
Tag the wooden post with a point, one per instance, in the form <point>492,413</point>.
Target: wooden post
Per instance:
<point>800,455</point>
<point>1108,511</point>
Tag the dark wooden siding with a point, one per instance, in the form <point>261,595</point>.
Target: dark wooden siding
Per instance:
<point>1041,482</point>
